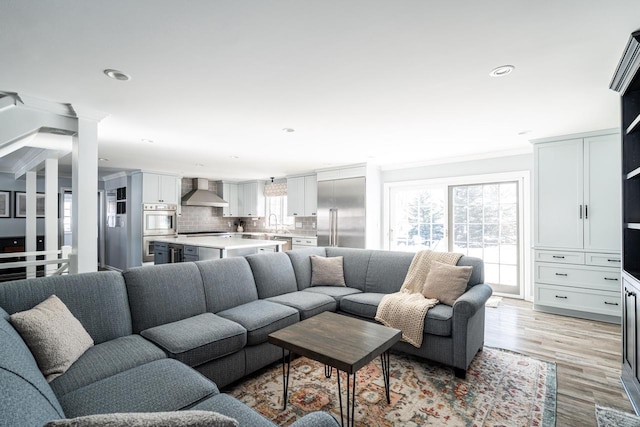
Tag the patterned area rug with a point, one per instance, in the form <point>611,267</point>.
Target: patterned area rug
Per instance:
<point>609,417</point>
<point>502,388</point>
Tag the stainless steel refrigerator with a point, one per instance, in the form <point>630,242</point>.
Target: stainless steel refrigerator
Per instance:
<point>341,213</point>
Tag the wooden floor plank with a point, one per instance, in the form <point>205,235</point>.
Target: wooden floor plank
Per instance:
<point>587,355</point>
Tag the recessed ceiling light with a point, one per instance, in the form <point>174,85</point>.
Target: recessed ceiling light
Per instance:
<point>199,165</point>
<point>117,74</point>
<point>288,130</point>
<point>103,159</point>
<point>502,70</point>
<point>148,141</point>
<point>234,157</point>
<point>524,132</point>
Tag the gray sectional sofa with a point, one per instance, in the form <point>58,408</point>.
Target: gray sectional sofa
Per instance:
<point>167,336</point>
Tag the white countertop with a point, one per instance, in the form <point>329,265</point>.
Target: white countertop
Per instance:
<point>220,242</point>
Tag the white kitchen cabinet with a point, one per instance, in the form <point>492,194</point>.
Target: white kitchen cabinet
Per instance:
<point>230,194</point>
<point>158,188</point>
<point>576,225</point>
<point>302,195</point>
<point>251,201</point>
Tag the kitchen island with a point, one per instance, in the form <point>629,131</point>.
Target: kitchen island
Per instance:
<point>183,248</point>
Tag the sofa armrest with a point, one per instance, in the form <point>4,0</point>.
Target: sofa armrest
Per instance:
<point>471,301</point>
<point>316,419</point>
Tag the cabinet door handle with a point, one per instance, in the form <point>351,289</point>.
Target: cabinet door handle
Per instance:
<point>611,303</point>
<point>559,256</point>
<point>613,260</point>
<point>586,212</point>
<point>611,278</point>
<point>580,212</point>
<point>561,297</point>
<point>562,274</point>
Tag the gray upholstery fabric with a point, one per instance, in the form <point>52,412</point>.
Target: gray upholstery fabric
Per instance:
<point>387,271</point>
<point>334,292</point>
<point>224,370</point>
<point>228,282</point>
<point>260,318</point>
<point>356,263</point>
<point>163,385</point>
<point>198,339</point>
<point>227,405</point>
<point>273,274</point>
<point>437,322</point>
<point>261,355</point>
<point>149,419</point>
<point>27,398</point>
<point>307,303</point>
<point>302,264</point>
<point>164,293</point>
<point>316,419</point>
<point>106,359</point>
<point>98,300</point>
<point>477,274</point>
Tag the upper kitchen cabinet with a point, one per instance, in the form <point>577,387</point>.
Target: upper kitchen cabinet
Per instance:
<point>577,193</point>
<point>158,188</point>
<point>251,200</point>
<point>230,194</point>
<point>302,195</point>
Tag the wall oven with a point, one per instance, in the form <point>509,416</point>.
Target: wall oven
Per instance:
<point>158,220</point>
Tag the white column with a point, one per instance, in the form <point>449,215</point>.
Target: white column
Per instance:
<point>84,214</point>
<point>31,231</point>
<point>51,210</point>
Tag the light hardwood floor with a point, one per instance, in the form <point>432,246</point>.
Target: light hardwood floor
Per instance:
<point>586,353</point>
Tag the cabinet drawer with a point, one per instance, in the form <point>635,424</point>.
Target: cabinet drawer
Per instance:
<point>592,301</point>
<point>605,260</point>
<point>190,258</point>
<point>160,245</point>
<point>587,277</point>
<point>312,241</point>
<point>190,250</point>
<point>560,257</point>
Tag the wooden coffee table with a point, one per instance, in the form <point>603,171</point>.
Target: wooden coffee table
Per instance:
<point>340,342</point>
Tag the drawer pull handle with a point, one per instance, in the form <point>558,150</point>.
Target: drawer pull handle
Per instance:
<point>613,260</point>
<point>610,278</point>
<point>611,303</point>
<point>562,274</point>
<point>561,297</point>
<point>558,256</point>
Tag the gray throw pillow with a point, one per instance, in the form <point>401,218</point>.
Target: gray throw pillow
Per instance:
<point>54,336</point>
<point>327,271</point>
<point>446,282</point>
<point>149,419</point>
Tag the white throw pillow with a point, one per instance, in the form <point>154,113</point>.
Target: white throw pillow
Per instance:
<point>53,334</point>
<point>327,271</point>
<point>446,282</point>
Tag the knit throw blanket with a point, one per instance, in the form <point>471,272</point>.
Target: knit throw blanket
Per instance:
<point>406,309</point>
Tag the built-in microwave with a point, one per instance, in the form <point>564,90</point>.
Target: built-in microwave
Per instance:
<point>159,219</point>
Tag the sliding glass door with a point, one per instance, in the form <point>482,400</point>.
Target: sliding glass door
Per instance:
<point>481,219</point>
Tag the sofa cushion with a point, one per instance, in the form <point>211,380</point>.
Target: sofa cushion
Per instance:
<point>198,339</point>
<point>260,318</point>
<point>335,292</point>
<point>98,300</point>
<point>164,293</point>
<point>149,419</point>
<point>307,303</point>
<point>446,282</point>
<point>162,385</point>
<point>356,264</point>
<point>301,261</point>
<point>387,271</point>
<point>107,359</point>
<point>327,271</point>
<point>231,407</point>
<point>437,322</point>
<point>273,274</point>
<point>27,398</point>
<point>54,336</point>
<point>228,282</point>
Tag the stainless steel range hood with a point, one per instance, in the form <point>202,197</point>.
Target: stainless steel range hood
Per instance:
<point>201,196</point>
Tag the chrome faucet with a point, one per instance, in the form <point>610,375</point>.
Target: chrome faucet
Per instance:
<point>276,217</point>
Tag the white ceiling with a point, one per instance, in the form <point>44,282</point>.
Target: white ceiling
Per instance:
<point>393,82</point>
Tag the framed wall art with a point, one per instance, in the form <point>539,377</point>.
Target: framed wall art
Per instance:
<point>5,204</point>
<point>20,205</point>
